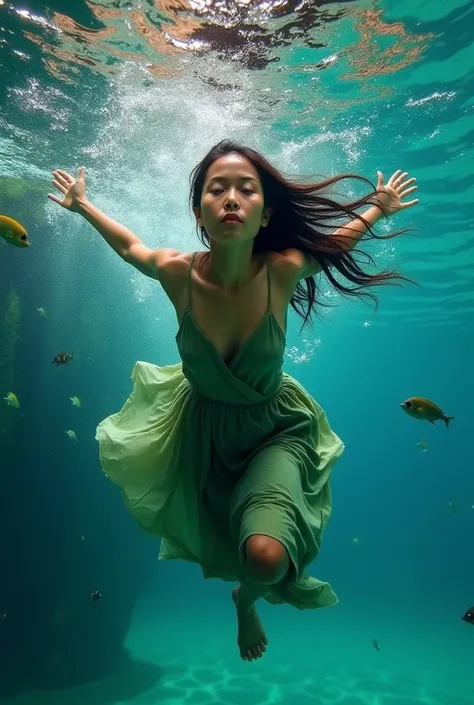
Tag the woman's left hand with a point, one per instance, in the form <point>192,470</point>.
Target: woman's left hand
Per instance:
<point>390,195</point>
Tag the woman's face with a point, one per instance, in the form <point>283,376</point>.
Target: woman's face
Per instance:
<point>232,188</point>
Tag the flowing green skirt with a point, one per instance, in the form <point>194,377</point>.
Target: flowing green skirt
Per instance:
<point>205,475</point>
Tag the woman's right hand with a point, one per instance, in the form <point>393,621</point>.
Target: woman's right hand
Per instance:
<point>74,190</point>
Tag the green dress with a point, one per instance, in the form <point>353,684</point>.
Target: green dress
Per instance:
<point>207,453</point>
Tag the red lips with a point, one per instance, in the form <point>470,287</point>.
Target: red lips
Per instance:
<point>232,216</point>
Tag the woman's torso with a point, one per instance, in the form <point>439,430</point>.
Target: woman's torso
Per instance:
<point>228,319</point>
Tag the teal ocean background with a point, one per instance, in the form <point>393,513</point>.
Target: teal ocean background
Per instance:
<point>138,91</point>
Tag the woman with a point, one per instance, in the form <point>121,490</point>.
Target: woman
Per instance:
<point>224,456</point>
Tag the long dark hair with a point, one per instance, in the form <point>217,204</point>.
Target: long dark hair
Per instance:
<point>303,218</point>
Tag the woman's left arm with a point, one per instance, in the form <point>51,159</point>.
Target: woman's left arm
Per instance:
<point>388,200</point>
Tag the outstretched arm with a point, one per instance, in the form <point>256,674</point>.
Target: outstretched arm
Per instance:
<point>389,197</point>
<point>125,243</point>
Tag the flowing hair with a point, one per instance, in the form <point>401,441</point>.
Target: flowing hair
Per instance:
<point>302,218</point>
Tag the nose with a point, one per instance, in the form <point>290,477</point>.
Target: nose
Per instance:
<point>231,197</point>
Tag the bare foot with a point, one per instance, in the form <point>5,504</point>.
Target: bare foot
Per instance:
<point>251,637</point>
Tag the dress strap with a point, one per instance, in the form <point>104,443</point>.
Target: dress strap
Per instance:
<point>269,285</point>
<point>190,271</point>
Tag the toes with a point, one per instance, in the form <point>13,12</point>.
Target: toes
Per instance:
<point>254,653</point>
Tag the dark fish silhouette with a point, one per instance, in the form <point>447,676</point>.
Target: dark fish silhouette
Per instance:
<point>376,644</point>
<point>62,358</point>
<point>468,616</point>
<point>96,595</point>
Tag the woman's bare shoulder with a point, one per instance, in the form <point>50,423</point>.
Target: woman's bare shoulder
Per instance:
<point>174,273</point>
<point>293,264</point>
<point>287,264</point>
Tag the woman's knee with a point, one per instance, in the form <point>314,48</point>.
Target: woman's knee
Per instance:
<point>266,559</point>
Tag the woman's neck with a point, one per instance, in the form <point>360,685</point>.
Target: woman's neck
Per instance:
<point>231,266</point>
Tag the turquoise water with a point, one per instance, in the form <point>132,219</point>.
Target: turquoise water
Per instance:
<point>138,92</point>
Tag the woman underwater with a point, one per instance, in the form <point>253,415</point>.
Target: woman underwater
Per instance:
<point>224,456</point>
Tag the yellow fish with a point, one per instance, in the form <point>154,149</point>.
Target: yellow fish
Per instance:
<point>425,410</point>
<point>12,232</point>
<point>71,435</point>
<point>76,401</point>
<point>12,400</point>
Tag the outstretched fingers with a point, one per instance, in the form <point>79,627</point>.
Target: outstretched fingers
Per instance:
<point>403,184</point>
<point>393,178</point>
<point>64,175</point>
<point>54,198</point>
<point>408,191</point>
<point>409,204</point>
<point>398,178</point>
<point>62,181</point>
<point>59,186</point>
<point>63,178</point>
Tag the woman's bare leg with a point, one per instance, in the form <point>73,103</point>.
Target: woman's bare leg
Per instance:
<point>267,563</point>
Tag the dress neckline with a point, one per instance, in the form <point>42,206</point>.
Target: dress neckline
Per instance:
<point>268,315</point>
<point>188,312</point>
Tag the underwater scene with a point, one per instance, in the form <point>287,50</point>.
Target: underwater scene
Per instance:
<point>115,458</point>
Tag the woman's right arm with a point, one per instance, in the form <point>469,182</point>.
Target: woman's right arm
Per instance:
<point>125,243</point>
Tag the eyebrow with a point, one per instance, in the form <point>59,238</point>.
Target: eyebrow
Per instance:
<point>241,178</point>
